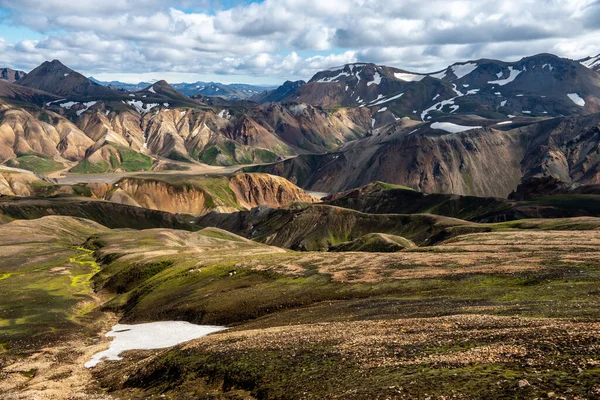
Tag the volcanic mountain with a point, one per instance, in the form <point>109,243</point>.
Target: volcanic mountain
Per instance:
<point>56,78</point>
<point>542,85</point>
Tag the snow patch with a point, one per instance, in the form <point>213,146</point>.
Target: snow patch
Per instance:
<point>503,103</point>
<point>462,70</point>
<point>376,79</point>
<point>408,77</point>
<point>69,104</point>
<point>592,62</point>
<point>513,73</point>
<point>384,109</point>
<point>153,335</point>
<point>151,90</point>
<point>436,96</point>
<point>140,106</point>
<point>452,128</point>
<point>439,75</point>
<point>550,67</point>
<point>87,107</point>
<point>575,98</point>
<point>331,79</point>
<point>504,123</point>
<point>387,100</point>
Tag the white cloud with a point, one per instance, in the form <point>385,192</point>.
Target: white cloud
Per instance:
<point>279,38</point>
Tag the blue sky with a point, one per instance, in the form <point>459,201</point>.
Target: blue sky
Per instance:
<point>269,41</point>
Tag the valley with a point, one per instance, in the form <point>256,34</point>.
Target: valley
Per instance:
<point>369,233</point>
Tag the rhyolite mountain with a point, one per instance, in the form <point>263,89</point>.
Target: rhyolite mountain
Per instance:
<point>482,158</point>
<point>11,75</point>
<point>97,129</point>
<point>477,127</point>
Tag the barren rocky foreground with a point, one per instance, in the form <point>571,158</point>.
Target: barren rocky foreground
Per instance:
<point>509,313</point>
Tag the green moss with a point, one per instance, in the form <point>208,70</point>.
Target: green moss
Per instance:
<point>86,167</point>
<point>134,161</point>
<point>35,162</point>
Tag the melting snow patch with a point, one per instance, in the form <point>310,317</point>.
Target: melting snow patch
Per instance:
<point>376,80</point>
<point>439,75</point>
<point>550,67</point>
<point>408,77</point>
<point>498,93</point>
<point>151,90</point>
<point>503,103</point>
<point>154,335</point>
<point>55,101</point>
<point>473,91</point>
<point>387,100</point>
<point>452,128</point>
<point>140,107</point>
<point>384,109</point>
<point>67,74</point>
<point>461,70</point>
<point>68,105</point>
<point>504,123</point>
<point>87,107</point>
<point>436,96</point>
<point>466,85</point>
<point>331,79</point>
<point>526,112</point>
<point>513,73</point>
<point>166,104</point>
<point>519,95</point>
<point>575,98</point>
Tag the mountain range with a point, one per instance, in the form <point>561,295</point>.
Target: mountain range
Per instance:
<point>477,127</point>
<point>232,91</point>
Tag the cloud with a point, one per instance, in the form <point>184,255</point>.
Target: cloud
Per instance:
<point>293,39</point>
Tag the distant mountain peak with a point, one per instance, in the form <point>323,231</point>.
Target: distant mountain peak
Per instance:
<point>54,77</point>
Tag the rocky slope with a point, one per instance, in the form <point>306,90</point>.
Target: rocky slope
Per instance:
<point>490,159</point>
<point>201,195</point>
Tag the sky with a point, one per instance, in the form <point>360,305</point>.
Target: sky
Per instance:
<point>270,41</point>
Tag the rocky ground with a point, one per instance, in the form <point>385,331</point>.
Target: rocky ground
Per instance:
<point>509,313</point>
